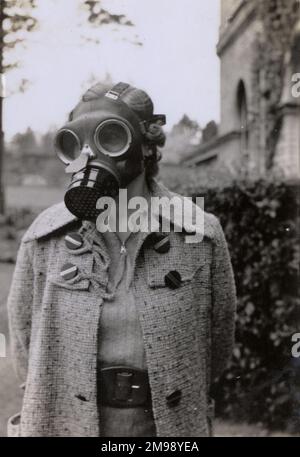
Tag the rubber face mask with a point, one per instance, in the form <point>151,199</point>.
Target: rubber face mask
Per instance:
<point>102,148</point>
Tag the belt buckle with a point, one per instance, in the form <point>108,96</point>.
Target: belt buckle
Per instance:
<point>122,386</point>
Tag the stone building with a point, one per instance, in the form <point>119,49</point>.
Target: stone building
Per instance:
<point>259,131</point>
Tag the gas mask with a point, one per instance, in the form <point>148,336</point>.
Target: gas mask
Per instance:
<point>102,146</point>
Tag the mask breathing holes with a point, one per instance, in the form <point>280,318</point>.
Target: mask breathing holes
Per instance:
<point>84,191</point>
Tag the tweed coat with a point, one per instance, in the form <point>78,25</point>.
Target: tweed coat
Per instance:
<point>188,331</point>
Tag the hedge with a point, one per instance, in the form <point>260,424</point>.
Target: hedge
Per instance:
<point>261,224</point>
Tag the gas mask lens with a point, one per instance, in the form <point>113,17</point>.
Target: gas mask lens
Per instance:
<point>113,137</point>
<point>67,145</point>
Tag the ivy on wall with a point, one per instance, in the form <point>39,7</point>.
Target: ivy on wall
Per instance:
<point>278,18</point>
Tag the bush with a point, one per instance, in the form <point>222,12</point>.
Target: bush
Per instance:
<point>261,224</point>
<point>12,226</point>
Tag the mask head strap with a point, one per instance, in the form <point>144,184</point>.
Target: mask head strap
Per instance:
<point>117,91</point>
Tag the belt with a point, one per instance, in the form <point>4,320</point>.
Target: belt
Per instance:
<point>123,387</point>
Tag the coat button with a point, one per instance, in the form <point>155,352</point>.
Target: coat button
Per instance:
<point>69,271</point>
<point>173,279</point>
<point>174,398</point>
<point>161,243</point>
<point>73,241</point>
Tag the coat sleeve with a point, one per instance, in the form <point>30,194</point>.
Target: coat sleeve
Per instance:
<point>223,305</point>
<point>19,305</point>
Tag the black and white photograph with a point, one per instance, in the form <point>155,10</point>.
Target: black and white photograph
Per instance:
<point>149,221</point>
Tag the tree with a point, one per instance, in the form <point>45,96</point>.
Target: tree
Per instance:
<point>15,18</point>
<point>25,143</point>
<point>185,127</point>
<point>47,141</point>
<point>210,131</point>
<point>100,16</point>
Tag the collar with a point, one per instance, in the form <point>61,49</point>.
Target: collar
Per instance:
<point>193,221</point>
<point>58,216</point>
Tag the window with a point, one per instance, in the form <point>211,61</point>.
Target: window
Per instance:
<point>242,115</point>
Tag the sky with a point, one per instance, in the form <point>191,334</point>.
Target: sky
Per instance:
<point>177,63</point>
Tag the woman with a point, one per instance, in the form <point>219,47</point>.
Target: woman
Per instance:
<point>118,332</point>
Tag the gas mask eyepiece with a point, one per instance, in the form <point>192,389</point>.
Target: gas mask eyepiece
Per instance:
<point>67,145</point>
<point>113,137</point>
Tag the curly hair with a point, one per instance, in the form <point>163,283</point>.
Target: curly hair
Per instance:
<point>155,137</point>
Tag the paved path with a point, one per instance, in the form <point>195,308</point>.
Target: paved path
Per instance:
<point>10,394</point>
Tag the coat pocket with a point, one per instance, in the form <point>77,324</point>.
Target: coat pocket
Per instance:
<point>184,270</point>
<point>185,259</point>
<point>14,426</point>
